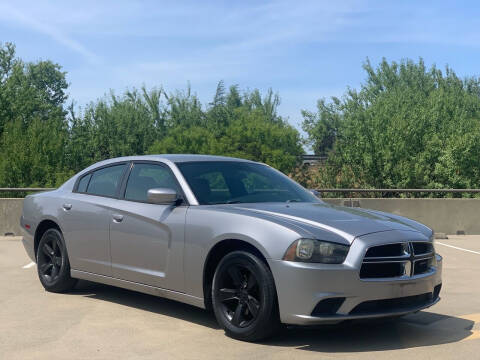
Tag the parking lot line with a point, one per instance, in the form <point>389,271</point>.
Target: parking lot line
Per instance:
<point>472,317</point>
<point>28,266</point>
<point>475,333</point>
<point>473,336</point>
<point>458,248</point>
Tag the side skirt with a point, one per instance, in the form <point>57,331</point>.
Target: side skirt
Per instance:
<point>146,289</point>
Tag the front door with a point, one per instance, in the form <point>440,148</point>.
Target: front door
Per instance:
<point>147,240</point>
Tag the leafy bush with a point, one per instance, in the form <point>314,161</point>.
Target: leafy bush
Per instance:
<point>43,141</point>
<point>407,127</point>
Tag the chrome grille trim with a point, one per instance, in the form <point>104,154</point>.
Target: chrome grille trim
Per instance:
<point>413,257</point>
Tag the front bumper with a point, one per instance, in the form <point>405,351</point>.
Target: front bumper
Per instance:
<point>301,286</point>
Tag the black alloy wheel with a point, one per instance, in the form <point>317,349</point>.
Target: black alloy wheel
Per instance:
<point>50,258</point>
<point>52,262</point>
<point>244,297</point>
<point>239,294</point>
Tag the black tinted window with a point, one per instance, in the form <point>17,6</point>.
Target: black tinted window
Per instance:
<point>219,182</point>
<point>211,187</point>
<point>144,177</point>
<point>105,181</point>
<point>82,184</point>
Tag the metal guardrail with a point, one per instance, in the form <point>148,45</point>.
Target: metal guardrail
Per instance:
<point>438,191</point>
<point>6,189</point>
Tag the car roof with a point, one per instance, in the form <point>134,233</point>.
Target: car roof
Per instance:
<point>175,158</point>
<point>195,157</point>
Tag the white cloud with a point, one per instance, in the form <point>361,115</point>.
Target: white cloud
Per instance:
<point>11,14</point>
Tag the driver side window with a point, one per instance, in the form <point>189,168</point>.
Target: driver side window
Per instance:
<point>144,177</point>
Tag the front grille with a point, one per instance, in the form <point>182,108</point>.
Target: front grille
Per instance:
<point>422,248</point>
<point>388,250</point>
<point>422,266</point>
<point>398,260</point>
<point>382,269</point>
<point>397,304</point>
<point>389,305</point>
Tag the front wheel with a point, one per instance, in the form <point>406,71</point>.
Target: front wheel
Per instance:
<point>52,263</point>
<point>244,297</point>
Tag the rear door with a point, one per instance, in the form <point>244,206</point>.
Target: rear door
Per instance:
<point>147,240</point>
<point>87,216</point>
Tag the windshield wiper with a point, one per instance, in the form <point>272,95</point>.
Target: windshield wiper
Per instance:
<point>292,200</point>
<point>226,202</point>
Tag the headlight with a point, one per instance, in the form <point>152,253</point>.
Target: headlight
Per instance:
<point>316,251</point>
<point>433,260</point>
<point>432,240</point>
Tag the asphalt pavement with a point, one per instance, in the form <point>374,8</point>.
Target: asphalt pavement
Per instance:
<point>102,322</point>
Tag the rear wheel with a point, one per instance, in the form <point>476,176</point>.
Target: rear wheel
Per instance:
<point>52,263</point>
<point>244,297</point>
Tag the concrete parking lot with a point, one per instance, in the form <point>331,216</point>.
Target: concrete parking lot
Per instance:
<point>102,322</point>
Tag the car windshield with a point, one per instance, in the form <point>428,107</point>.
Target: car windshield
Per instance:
<point>231,182</point>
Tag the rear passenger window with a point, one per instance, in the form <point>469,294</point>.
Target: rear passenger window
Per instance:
<point>82,184</point>
<point>104,182</point>
<point>148,176</point>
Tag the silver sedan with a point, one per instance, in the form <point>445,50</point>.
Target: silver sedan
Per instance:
<point>230,235</point>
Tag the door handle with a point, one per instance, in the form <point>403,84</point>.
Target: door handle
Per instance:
<point>67,206</point>
<point>117,217</point>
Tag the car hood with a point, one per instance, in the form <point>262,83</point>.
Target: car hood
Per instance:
<point>345,222</point>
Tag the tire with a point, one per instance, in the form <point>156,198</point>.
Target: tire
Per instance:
<point>53,266</point>
<point>244,298</point>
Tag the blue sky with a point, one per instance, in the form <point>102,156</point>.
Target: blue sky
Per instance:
<point>305,50</point>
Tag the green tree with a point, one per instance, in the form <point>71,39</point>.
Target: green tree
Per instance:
<point>115,126</point>
<point>33,127</point>
<point>235,127</point>
<point>184,109</point>
<point>32,156</point>
<point>186,140</point>
<point>254,136</point>
<point>43,141</point>
<point>407,127</point>
<point>322,127</point>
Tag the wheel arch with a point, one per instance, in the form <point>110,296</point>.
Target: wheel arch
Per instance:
<point>215,255</point>
<point>42,227</point>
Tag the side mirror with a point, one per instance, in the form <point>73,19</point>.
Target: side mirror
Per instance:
<point>315,192</point>
<point>162,196</point>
